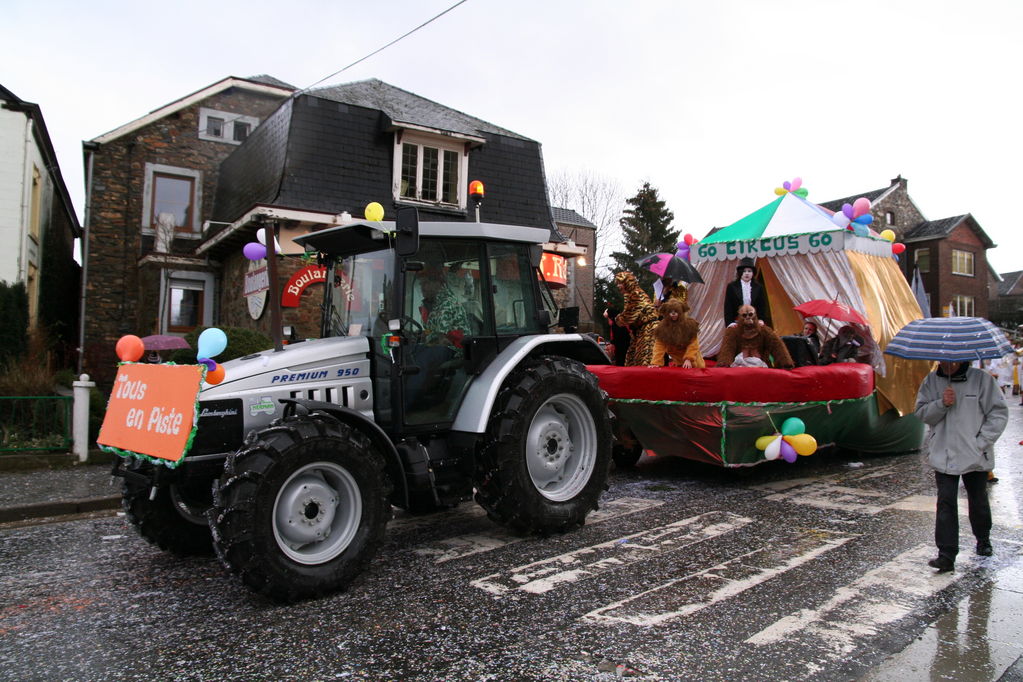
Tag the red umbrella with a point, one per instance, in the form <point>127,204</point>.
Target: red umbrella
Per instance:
<point>164,342</point>
<point>832,309</point>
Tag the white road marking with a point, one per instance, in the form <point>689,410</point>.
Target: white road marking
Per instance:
<point>881,596</point>
<point>692,593</point>
<point>466,545</point>
<point>823,495</point>
<point>547,574</point>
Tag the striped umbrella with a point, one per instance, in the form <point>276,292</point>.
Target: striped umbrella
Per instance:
<point>952,339</point>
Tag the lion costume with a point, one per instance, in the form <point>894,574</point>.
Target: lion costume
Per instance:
<point>676,338</point>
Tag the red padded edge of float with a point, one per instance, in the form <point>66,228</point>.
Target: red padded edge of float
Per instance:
<point>737,384</point>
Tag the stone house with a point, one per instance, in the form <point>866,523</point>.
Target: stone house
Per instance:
<point>303,161</point>
<point>150,186</point>
<point>38,223</point>
<point>949,252</point>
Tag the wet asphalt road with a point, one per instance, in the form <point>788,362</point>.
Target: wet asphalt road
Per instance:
<point>809,571</point>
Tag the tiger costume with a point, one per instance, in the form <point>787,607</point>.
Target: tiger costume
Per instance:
<point>640,316</point>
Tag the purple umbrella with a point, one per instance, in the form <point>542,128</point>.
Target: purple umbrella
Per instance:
<point>164,342</point>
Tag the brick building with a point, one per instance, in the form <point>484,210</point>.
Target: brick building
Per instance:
<point>149,189</point>
<point>949,252</point>
<point>580,233</point>
<point>175,196</point>
<point>1005,299</point>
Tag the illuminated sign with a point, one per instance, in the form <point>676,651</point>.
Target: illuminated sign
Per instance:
<point>554,269</point>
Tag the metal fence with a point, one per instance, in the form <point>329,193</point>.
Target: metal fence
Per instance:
<point>35,423</point>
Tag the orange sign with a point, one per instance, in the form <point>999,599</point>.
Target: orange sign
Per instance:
<point>554,269</point>
<point>151,410</point>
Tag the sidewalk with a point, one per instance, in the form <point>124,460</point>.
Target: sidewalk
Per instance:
<point>69,489</point>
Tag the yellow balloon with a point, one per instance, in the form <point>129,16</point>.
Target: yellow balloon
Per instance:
<point>889,235</point>
<point>374,211</point>
<point>764,441</point>
<point>780,190</point>
<point>803,443</point>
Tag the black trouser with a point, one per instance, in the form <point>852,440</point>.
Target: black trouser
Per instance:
<point>946,525</point>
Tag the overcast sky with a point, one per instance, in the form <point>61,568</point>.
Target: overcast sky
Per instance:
<point>715,103</point>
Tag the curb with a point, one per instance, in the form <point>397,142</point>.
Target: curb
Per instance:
<point>63,508</point>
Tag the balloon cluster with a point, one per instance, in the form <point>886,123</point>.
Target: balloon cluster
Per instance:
<point>129,348</point>
<point>793,440</point>
<point>211,342</point>
<point>855,216</point>
<point>257,250</point>
<point>795,187</point>
<point>684,246</point>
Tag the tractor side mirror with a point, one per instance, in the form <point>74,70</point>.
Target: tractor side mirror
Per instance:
<point>406,230</point>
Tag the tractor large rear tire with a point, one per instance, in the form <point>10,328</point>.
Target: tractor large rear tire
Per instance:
<point>547,450</point>
<point>174,520</point>
<point>301,510</point>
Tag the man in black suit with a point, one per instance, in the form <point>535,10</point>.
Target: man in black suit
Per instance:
<point>744,291</point>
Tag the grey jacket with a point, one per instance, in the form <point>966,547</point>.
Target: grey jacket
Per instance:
<point>961,437</point>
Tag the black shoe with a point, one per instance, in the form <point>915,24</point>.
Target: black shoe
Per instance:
<point>993,479</point>
<point>984,548</point>
<point>942,564</point>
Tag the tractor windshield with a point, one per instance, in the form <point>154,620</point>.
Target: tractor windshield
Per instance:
<point>360,296</point>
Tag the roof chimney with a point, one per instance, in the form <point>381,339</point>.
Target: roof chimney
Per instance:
<point>900,181</point>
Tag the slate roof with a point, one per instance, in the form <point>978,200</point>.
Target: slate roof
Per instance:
<point>934,229</point>
<point>1010,280</point>
<point>270,80</point>
<point>566,216</point>
<point>402,106</point>
<point>873,196</point>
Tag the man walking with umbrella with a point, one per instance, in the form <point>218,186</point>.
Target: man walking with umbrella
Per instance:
<point>965,412</point>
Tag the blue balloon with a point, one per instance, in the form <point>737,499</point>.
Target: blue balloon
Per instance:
<point>864,219</point>
<point>860,230</point>
<point>212,343</point>
<point>896,257</point>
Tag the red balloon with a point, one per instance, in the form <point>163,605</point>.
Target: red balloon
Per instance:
<point>898,248</point>
<point>129,348</point>
<point>688,239</point>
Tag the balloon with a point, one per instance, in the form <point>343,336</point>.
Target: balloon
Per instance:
<point>840,219</point>
<point>888,235</point>
<point>801,192</point>
<point>210,364</point>
<point>254,251</point>
<point>860,207</point>
<point>374,211</point>
<point>847,209</point>
<point>860,229</point>
<point>787,185</point>
<point>792,426</point>
<point>215,376</point>
<point>788,453</point>
<point>864,219</point>
<point>129,348</point>
<point>796,183</point>
<point>773,449</point>
<point>212,343</point>
<point>683,252</point>
<point>688,239</point>
<point>780,191</point>
<point>896,257</point>
<point>764,441</point>
<point>898,248</point>
<point>802,443</point>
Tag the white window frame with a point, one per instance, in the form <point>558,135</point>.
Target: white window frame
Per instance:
<point>967,257</point>
<point>229,122</point>
<point>964,306</point>
<point>200,281</point>
<point>147,199</point>
<point>442,144</point>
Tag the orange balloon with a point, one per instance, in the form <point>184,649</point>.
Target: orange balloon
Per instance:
<point>216,376</point>
<point>129,348</point>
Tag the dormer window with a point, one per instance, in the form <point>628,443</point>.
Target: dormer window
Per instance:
<point>430,169</point>
<point>223,126</point>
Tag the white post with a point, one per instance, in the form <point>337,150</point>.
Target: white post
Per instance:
<point>80,416</point>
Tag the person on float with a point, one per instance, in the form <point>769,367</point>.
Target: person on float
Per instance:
<point>676,341</point>
<point>744,291</point>
<point>618,334</point>
<point>670,289</point>
<point>965,412</point>
<point>845,346</point>
<point>639,316</point>
<point>751,343</point>
<point>810,332</point>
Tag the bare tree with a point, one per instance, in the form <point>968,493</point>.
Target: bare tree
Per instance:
<point>598,198</point>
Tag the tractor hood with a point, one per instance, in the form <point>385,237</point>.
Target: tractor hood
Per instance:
<point>304,362</point>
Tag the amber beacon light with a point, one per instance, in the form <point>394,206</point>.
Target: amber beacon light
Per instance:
<point>476,194</point>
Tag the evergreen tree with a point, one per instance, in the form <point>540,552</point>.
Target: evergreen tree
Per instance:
<point>646,229</point>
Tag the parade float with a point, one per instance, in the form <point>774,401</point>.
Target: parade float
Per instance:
<point>737,417</point>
